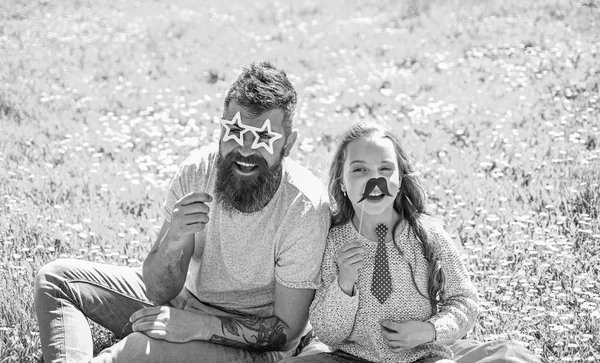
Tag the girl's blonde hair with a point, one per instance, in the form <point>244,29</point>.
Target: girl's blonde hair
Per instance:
<point>409,203</point>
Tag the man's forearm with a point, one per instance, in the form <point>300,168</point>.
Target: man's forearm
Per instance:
<point>252,333</point>
<point>165,270</point>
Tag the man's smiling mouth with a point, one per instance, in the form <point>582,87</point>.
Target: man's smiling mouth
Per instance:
<point>245,167</point>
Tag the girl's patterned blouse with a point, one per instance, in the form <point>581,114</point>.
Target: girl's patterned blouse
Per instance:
<point>351,323</point>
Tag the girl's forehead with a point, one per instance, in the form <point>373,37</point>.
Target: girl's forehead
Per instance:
<point>373,147</point>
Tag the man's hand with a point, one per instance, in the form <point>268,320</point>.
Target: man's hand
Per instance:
<point>167,323</point>
<point>406,335</point>
<point>189,216</point>
<point>349,261</point>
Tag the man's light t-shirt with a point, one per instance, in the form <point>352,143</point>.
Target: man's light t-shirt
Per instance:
<point>245,253</point>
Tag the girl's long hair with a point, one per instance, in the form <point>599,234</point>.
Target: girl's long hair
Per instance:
<point>409,203</point>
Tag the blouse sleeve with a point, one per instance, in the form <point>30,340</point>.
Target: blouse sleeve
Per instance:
<point>332,312</point>
<point>458,311</point>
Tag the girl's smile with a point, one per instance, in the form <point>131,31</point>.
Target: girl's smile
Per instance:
<point>366,159</point>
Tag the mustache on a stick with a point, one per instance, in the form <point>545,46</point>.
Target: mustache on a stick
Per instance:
<point>380,182</point>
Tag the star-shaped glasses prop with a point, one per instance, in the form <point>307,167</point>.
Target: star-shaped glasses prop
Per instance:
<point>263,136</point>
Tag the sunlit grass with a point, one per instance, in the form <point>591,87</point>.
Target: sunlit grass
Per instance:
<point>498,103</point>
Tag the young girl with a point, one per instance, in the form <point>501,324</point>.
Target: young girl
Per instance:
<point>394,288</point>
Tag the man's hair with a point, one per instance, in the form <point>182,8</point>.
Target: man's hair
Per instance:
<point>261,87</point>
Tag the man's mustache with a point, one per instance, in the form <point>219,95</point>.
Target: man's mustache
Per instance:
<point>380,182</point>
<point>252,159</point>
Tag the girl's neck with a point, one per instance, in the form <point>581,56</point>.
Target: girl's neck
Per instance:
<point>367,226</point>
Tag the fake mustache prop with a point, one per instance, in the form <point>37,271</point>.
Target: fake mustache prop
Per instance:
<point>380,182</point>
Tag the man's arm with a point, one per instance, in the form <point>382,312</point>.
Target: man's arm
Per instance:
<point>282,331</point>
<point>165,268</point>
<point>279,332</point>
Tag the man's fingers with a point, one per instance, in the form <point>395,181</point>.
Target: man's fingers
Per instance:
<point>194,208</point>
<point>194,218</point>
<point>155,333</point>
<point>195,197</point>
<point>149,325</point>
<point>193,228</point>
<point>153,310</point>
<point>146,319</point>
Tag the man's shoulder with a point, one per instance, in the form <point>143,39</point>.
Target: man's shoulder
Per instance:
<point>199,159</point>
<point>304,183</point>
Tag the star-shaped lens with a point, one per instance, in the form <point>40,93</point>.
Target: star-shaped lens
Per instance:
<point>235,125</point>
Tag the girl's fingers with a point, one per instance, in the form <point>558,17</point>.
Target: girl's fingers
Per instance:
<point>355,258</point>
<point>353,251</point>
<point>350,245</point>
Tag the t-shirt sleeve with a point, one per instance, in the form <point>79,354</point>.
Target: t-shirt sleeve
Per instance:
<point>298,263</point>
<point>192,175</point>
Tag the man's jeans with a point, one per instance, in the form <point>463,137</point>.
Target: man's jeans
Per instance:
<point>343,357</point>
<point>68,291</point>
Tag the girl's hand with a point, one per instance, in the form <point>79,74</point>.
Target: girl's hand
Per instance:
<point>349,261</point>
<point>406,335</point>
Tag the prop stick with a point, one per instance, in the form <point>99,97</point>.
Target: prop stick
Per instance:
<point>362,212</point>
<point>212,167</point>
<point>372,183</point>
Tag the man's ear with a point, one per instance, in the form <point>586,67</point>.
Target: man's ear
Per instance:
<point>291,140</point>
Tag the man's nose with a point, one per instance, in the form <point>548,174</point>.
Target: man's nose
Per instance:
<point>246,149</point>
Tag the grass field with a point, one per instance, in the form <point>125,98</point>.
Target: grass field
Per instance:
<point>498,102</point>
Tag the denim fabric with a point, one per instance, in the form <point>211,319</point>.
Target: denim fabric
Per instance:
<point>68,291</point>
<point>465,351</point>
<point>343,357</point>
<point>496,351</point>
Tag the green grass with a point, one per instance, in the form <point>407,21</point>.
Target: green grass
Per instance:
<point>498,103</point>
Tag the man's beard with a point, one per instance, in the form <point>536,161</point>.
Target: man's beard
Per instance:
<point>245,193</point>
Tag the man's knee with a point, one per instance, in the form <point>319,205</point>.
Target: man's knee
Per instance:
<point>136,347</point>
<point>51,277</point>
<point>54,272</point>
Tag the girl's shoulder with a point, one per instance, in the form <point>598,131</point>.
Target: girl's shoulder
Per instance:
<point>434,226</point>
<point>340,233</point>
<point>438,234</point>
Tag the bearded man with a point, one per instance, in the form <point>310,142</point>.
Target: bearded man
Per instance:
<point>230,277</point>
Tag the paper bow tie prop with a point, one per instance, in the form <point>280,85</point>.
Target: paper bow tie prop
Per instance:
<point>235,130</point>
<point>380,182</point>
